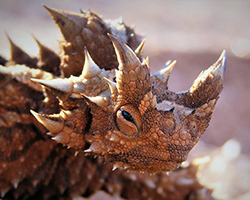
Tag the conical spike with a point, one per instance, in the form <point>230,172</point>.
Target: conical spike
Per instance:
<point>169,65</point>
<point>138,50</point>
<point>206,87</point>
<point>69,23</point>
<point>114,167</point>
<point>88,151</point>
<point>216,72</point>
<point>126,57</point>
<point>120,20</point>
<point>62,138</point>
<point>220,65</point>
<point>90,69</point>
<point>58,86</point>
<point>76,153</point>
<point>4,190</point>
<point>92,13</point>
<point>48,59</point>
<point>164,73</point>
<point>18,55</point>
<point>43,50</point>
<point>98,100</point>
<point>94,148</point>
<point>118,165</point>
<point>112,85</point>
<point>53,123</point>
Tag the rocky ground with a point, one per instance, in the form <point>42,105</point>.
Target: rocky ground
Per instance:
<point>192,32</point>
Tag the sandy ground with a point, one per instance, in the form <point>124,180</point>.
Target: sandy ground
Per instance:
<point>194,33</point>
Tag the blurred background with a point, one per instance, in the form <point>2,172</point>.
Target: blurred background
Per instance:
<point>192,32</point>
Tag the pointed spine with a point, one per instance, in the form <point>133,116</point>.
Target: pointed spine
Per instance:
<point>90,69</point>
<point>69,23</point>
<point>126,57</point>
<point>58,86</point>
<point>48,60</point>
<point>206,87</point>
<point>112,86</point>
<point>164,73</point>
<point>100,101</point>
<point>216,72</point>
<point>19,56</point>
<point>64,128</point>
<point>139,49</point>
<point>220,65</point>
<point>53,123</point>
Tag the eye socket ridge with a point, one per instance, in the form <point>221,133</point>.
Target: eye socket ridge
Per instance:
<point>126,115</point>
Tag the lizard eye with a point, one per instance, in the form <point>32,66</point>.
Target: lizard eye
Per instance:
<point>127,116</point>
<point>128,120</point>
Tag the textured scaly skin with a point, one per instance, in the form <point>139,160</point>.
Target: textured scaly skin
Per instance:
<point>126,116</point>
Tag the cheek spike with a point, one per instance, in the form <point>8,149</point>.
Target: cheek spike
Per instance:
<point>53,123</point>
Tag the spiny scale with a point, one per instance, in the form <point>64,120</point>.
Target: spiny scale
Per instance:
<point>122,115</point>
<point>48,60</point>
<point>90,69</point>
<point>164,74</point>
<point>126,57</point>
<point>138,50</point>
<point>86,30</point>
<point>19,56</point>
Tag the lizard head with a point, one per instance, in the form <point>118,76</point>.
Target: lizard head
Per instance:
<point>134,121</point>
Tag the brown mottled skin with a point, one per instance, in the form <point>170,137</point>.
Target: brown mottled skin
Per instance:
<point>128,117</point>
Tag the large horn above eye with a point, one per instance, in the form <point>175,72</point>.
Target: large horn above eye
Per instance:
<point>133,78</point>
<point>126,57</point>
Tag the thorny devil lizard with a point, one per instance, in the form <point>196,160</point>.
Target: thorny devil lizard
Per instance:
<point>98,98</point>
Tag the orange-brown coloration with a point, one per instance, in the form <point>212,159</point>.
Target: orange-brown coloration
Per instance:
<point>127,116</point>
<point>138,128</point>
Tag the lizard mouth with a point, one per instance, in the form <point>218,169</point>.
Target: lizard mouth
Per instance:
<point>147,163</point>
